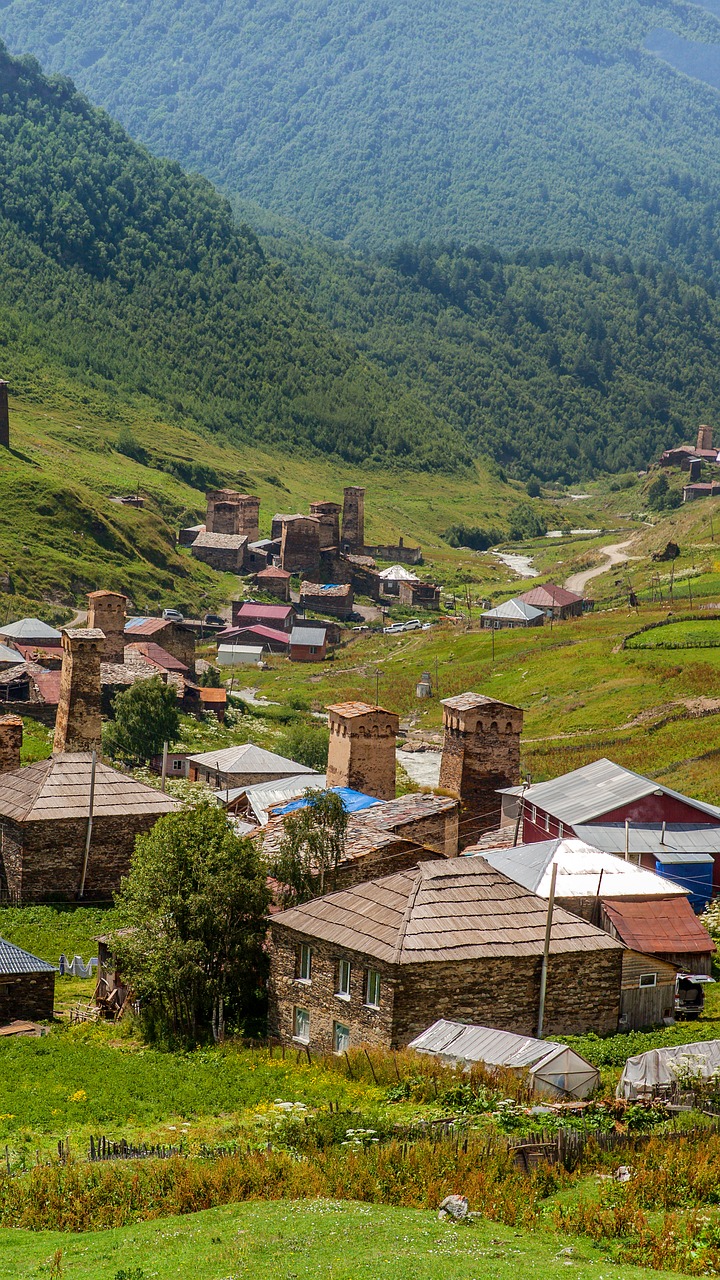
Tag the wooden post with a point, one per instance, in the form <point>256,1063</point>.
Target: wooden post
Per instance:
<point>164,766</point>
<point>88,836</point>
<point>546,952</point>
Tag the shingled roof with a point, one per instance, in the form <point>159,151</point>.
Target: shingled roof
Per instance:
<point>14,960</point>
<point>59,788</point>
<point>452,909</point>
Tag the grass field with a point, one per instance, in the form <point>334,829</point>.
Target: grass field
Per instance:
<point>704,633</point>
<point>323,1240</point>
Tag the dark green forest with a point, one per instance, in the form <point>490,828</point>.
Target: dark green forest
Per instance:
<point>537,123</point>
<point>135,278</point>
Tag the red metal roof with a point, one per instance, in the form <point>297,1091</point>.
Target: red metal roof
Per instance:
<point>549,594</point>
<point>38,652</point>
<point>273,612</point>
<point>659,926</point>
<point>159,656</point>
<point>48,686</point>
<point>273,572</point>
<point>261,632</point>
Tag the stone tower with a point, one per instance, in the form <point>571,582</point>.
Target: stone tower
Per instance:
<point>362,749</point>
<point>328,516</point>
<point>78,724</point>
<point>106,613</point>
<point>481,752</point>
<point>4,416</point>
<point>300,545</point>
<point>11,736</point>
<point>234,513</point>
<point>704,437</point>
<point>353,521</point>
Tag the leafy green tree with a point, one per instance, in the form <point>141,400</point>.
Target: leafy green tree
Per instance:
<point>307,745</point>
<point>311,848</point>
<point>146,716</point>
<point>532,488</point>
<point>194,904</point>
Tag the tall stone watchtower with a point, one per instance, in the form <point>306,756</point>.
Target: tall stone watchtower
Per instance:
<point>481,752</point>
<point>328,516</point>
<point>353,520</point>
<point>4,416</point>
<point>704,437</point>
<point>234,513</point>
<point>362,748</point>
<point>106,613</point>
<point>78,726</point>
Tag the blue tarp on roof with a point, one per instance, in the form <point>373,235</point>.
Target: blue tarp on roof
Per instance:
<point>353,801</point>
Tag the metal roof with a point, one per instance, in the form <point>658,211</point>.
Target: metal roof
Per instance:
<point>309,635</point>
<point>14,960</point>
<point>59,788</point>
<point>444,910</point>
<point>548,595</point>
<point>11,655</point>
<point>248,758</point>
<point>145,626</point>
<point>252,609</point>
<point>256,630</point>
<point>513,609</point>
<point>669,926</point>
<point>264,796</point>
<point>483,1044</point>
<point>398,573</point>
<point>681,841</point>
<point>579,867</point>
<point>30,629</point>
<point>598,788</point>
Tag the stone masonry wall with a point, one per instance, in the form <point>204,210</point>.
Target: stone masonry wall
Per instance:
<point>106,612</point>
<point>11,736</point>
<point>583,994</point>
<point>400,855</point>
<point>362,752</point>
<point>372,1027</point>
<point>43,860</point>
<point>27,996</point>
<point>481,753</point>
<point>352,536</point>
<point>438,831</point>
<point>300,545</point>
<point>78,726</point>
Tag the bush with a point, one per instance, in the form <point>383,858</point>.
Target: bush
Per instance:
<point>478,539</point>
<point>130,447</point>
<point>307,745</point>
<point>525,522</point>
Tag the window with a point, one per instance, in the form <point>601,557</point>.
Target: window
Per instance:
<point>301,1025</point>
<point>648,980</point>
<point>341,1037</point>
<point>533,813</point>
<point>561,830</point>
<point>305,965</point>
<point>343,984</point>
<point>313,649</point>
<point>372,989</point>
<point>178,765</point>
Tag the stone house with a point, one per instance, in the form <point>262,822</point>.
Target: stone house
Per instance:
<point>27,986</point>
<point>222,551</point>
<point>241,766</point>
<point>334,598</point>
<point>375,964</point>
<point>171,636</point>
<point>419,595</point>
<point>275,581</point>
<point>252,613</point>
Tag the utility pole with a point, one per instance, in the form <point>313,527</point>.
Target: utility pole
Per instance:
<point>546,952</point>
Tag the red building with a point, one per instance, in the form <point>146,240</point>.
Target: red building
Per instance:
<point>554,601</point>
<point>308,644</point>
<point>248,613</point>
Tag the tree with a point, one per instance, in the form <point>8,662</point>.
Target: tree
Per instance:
<point>146,716</point>
<point>532,488</point>
<point>195,904</point>
<point>311,847</point>
<point>307,745</point>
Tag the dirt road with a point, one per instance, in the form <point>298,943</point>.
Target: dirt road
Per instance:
<point>613,555</point>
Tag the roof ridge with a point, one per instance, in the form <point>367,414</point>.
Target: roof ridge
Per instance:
<point>43,772</point>
<point>409,907</point>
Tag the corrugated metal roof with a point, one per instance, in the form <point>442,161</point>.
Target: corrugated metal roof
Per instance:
<point>659,928</point>
<point>700,841</point>
<point>598,788</point>
<point>14,960</point>
<point>453,909</point>
<point>146,626</point>
<point>482,1044</point>
<point>309,636</point>
<point>12,655</point>
<point>514,609</point>
<point>156,655</point>
<point>276,612</point>
<point>549,595</point>
<point>579,867</point>
<point>251,631</point>
<point>398,573</point>
<point>248,758</point>
<point>60,788</point>
<point>30,629</point>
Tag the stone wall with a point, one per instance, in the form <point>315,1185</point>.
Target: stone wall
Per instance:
<point>300,545</point>
<point>481,753</point>
<point>352,537</point>
<point>583,994</point>
<point>362,749</point>
<point>372,1027</point>
<point>222,559</point>
<point>178,641</point>
<point>437,831</point>
<point>43,860</point>
<point>29,997</point>
<point>78,726</point>
<point>328,516</point>
<point>11,736</point>
<point>399,854</point>
<point>106,613</point>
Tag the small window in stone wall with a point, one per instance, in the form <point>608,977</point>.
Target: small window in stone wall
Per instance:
<point>301,1025</point>
<point>343,983</point>
<point>372,988</point>
<point>648,980</point>
<point>305,963</point>
<point>341,1037</point>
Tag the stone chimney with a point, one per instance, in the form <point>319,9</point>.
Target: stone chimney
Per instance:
<point>11,736</point>
<point>78,724</point>
<point>353,521</point>
<point>106,613</point>
<point>362,749</point>
<point>481,752</point>
<point>4,416</point>
<point>704,437</point>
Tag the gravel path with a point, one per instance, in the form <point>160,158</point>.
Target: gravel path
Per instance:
<point>613,555</point>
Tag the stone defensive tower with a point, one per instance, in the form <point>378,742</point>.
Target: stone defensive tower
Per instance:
<point>362,748</point>
<point>4,416</point>
<point>234,513</point>
<point>328,516</point>
<point>481,752</point>
<point>704,437</point>
<point>78,724</point>
<point>300,545</point>
<point>106,613</point>
<point>353,521</point>
<point>11,736</point>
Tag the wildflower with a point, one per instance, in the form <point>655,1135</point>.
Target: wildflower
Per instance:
<point>78,1096</point>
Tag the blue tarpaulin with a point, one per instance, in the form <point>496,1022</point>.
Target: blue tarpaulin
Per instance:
<point>353,801</point>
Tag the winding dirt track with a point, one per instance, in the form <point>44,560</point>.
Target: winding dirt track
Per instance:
<point>613,555</point>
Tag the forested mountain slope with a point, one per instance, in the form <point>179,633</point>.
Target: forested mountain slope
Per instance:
<point>559,365</point>
<point>134,278</point>
<point>540,122</point>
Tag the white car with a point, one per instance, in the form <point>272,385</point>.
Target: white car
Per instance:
<point>413,625</point>
<point>394,629</point>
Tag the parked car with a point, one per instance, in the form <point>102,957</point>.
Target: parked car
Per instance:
<point>173,615</point>
<point>214,620</point>
<point>690,994</point>
<point>414,624</point>
<point>394,629</point>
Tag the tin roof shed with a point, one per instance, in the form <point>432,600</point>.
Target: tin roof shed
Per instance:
<point>554,1069</point>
